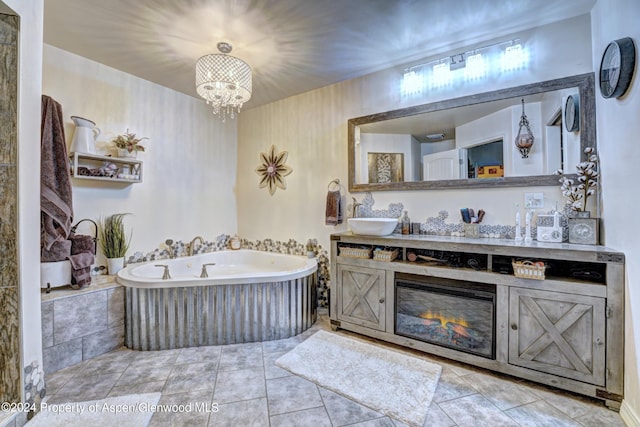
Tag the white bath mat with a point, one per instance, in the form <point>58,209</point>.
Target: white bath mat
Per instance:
<point>390,382</point>
<point>123,411</point>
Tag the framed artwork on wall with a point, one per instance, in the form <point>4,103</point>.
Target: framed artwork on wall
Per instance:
<point>385,167</point>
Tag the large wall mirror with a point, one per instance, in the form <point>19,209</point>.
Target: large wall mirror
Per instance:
<point>468,142</point>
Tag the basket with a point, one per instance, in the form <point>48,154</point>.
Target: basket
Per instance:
<point>382,255</point>
<point>355,252</point>
<point>528,270</point>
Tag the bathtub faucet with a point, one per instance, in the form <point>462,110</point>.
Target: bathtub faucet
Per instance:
<point>204,269</point>
<point>165,273</point>
<point>191,247</point>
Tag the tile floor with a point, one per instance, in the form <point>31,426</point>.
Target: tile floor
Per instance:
<point>251,391</point>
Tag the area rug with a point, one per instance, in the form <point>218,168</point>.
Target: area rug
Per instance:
<point>134,410</point>
<point>392,383</point>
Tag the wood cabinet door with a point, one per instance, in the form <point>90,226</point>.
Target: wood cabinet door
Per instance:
<point>558,333</point>
<point>361,296</point>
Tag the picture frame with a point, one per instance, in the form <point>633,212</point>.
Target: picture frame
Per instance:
<point>385,167</point>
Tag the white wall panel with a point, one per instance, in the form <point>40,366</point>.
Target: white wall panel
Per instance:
<point>618,128</point>
<point>189,163</point>
<point>313,127</point>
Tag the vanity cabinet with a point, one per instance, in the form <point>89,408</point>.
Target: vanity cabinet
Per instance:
<point>557,333</point>
<point>566,330</point>
<point>361,296</point>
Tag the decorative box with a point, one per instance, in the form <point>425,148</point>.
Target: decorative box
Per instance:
<point>584,231</point>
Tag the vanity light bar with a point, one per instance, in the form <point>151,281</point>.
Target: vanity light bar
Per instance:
<point>475,64</point>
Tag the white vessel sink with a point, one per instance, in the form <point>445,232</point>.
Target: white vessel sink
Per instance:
<point>372,226</point>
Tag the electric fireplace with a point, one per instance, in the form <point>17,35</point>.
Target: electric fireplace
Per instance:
<point>452,313</point>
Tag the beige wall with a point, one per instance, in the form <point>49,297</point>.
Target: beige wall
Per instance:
<point>312,127</point>
<point>618,129</point>
<point>189,161</point>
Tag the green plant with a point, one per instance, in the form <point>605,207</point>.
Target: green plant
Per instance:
<point>128,141</point>
<point>112,236</point>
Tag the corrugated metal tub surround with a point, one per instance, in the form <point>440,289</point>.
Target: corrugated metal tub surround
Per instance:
<point>249,296</point>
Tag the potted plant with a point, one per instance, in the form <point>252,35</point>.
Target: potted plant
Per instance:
<point>128,144</point>
<point>578,193</point>
<point>113,241</point>
<point>582,228</point>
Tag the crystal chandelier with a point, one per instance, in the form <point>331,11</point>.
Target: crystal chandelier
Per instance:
<point>524,139</point>
<point>224,81</point>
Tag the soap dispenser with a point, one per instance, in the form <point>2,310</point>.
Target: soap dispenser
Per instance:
<point>406,224</point>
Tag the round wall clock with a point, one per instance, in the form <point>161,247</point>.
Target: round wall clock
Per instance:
<point>616,68</point>
<point>572,113</point>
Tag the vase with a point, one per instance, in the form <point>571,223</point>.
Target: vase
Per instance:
<point>583,229</point>
<point>114,265</point>
<point>123,152</point>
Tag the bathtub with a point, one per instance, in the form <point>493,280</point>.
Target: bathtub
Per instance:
<point>249,296</point>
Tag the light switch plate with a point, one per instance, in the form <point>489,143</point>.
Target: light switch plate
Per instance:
<point>534,200</point>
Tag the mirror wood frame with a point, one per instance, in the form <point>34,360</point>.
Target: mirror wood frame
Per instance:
<point>584,83</point>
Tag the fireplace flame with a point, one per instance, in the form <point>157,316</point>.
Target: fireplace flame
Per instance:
<point>434,317</point>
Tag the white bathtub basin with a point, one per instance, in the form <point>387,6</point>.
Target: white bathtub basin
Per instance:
<point>231,267</point>
<point>373,226</point>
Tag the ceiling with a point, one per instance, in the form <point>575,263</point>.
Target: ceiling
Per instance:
<point>293,46</point>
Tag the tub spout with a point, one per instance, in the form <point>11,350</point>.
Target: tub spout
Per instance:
<point>204,269</point>
<point>191,247</point>
<point>165,274</point>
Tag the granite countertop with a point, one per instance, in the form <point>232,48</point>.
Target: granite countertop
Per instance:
<point>404,239</point>
<point>98,283</point>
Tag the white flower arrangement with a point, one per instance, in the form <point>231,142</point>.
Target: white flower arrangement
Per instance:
<point>578,194</point>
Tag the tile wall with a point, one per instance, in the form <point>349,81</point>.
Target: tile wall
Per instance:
<point>80,326</point>
<point>10,384</point>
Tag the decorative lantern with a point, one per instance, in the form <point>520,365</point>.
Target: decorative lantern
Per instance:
<point>524,139</point>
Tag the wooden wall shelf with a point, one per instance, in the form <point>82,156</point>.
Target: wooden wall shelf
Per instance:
<point>105,168</point>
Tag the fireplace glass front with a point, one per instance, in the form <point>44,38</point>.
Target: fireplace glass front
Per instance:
<point>451,313</point>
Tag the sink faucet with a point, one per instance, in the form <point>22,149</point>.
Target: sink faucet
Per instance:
<point>356,207</point>
<point>191,246</point>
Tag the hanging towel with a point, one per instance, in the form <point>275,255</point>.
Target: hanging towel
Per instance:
<point>333,213</point>
<point>82,243</point>
<point>59,251</point>
<point>55,184</point>
<point>81,269</point>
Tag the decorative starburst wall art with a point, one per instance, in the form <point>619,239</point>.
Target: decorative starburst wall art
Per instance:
<point>273,169</point>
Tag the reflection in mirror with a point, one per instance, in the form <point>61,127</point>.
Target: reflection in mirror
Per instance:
<point>469,141</point>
